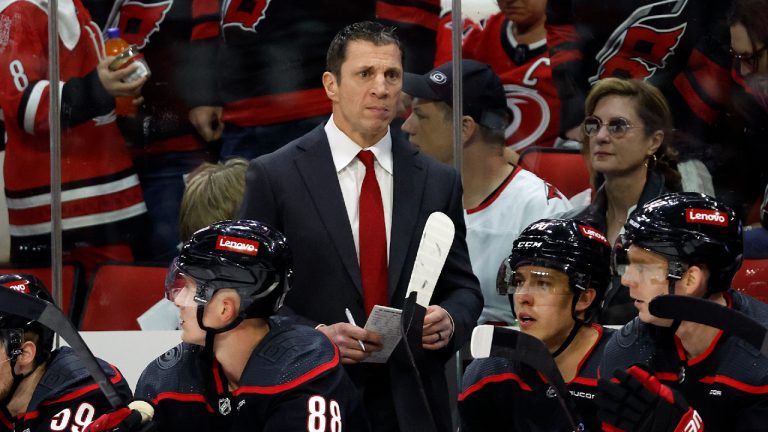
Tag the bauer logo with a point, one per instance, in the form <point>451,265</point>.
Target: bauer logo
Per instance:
<point>710,217</point>
<point>235,244</point>
<point>593,234</point>
<point>20,286</point>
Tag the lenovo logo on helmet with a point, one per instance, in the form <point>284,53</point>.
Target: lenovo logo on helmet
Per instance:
<point>710,217</point>
<point>236,244</point>
<point>20,286</point>
<point>593,234</point>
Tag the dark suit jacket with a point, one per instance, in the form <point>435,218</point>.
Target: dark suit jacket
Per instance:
<point>296,190</point>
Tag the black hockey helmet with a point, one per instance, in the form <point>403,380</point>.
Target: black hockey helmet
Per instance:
<point>12,327</point>
<point>689,228</point>
<point>570,246</point>
<point>247,256</point>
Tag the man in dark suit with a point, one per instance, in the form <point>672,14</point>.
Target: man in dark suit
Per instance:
<point>316,191</point>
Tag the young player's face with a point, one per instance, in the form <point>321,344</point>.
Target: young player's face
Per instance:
<point>429,128</point>
<point>524,13</point>
<point>620,153</point>
<point>542,302</point>
<point>646,277</point>
<point>366,95</point>
<point>185,301</point>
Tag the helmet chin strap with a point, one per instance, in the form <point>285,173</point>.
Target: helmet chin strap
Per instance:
<point>577,324</point>
<point>17,379</point>
<point>210,333</point>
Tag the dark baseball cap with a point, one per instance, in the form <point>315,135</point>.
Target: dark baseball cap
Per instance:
<point>483,94</point>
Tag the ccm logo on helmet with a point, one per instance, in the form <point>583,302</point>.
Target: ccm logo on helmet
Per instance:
<point>529,244</point>
<point>593,234</point>
<point>239,245</point>
<point>705,216</point>
<point>22,287</point>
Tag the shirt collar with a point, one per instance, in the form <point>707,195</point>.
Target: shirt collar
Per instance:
<point>344,150</point>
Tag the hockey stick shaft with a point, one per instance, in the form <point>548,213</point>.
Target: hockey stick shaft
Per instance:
<point>47,314</point>
<point>709,313</point>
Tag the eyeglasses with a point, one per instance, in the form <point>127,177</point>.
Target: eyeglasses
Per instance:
<point>617,127</point>
<point>749,60</point>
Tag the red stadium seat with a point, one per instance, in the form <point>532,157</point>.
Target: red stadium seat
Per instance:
<point>71,284</point>
<point>752,279</point>
<point>120,292</point>
<point>566,169</point>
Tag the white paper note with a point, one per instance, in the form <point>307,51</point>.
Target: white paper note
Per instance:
<point>385,321</point>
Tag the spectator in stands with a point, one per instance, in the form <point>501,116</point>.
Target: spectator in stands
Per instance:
<point>213,193</point>
<point>514,43</point>
<point>266,89</point>
<point>102,204</point>
<point>626,138</point>
<point>164,144</point>
<point>500,199</point>
<point>680,47</point>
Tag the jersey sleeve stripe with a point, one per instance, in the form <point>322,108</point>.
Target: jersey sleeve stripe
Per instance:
<point>183,397</point>
<point>509,376</point>
<point>731,382</point>
<point>87,389</point>
<point>33,104</point>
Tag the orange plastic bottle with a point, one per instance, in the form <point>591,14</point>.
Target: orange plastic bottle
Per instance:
<point>113,46</point>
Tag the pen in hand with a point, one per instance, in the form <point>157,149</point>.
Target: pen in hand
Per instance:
<point>351,320</point>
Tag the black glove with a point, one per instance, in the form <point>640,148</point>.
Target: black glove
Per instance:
<point>639,402</point>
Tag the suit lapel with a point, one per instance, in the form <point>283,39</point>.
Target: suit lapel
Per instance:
<point>318,173</point>
<point>409,179</point>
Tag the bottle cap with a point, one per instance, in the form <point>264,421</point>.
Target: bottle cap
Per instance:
<point>113,33</point>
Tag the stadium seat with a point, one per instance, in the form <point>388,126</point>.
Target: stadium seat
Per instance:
<point>566,169</point>
<point>71,285</point>
<point>752,279</point>
<point>120,292</point>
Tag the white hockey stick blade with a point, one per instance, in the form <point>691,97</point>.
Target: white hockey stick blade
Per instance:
<point>482,340</point>
<point>433,249</point>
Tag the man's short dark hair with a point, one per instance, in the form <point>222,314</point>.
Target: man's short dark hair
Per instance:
<point>367,31</point>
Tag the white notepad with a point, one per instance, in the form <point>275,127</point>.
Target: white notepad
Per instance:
<point>385,321</point>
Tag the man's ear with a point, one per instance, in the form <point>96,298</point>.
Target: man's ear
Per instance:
<point>468,129</point>
<point>585,300</point>
<point>26,360</point>
<point>694,282</point>
<point>331,85</point>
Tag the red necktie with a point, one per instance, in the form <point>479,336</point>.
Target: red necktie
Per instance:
<point>373,238</point>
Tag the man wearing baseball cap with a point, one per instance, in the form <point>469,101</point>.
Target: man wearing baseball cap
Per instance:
<point>500,199</point>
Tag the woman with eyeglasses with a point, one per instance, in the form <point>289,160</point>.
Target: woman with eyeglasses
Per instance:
<point>626,136</point>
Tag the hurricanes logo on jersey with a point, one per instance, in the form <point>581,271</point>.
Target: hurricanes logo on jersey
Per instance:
<point>245,14</point>
<point>641,44</point>
<point>138,21</point>
<point>530,116</point>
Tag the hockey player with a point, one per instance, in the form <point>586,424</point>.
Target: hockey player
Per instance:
<point>102,199</point>
<point>685,244</point>
<point>554,279</point>
<point>500,199</point>
<point>40,389</point>
<point>240,368</point>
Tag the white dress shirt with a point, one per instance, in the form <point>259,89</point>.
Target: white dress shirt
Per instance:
<point>351,172</point>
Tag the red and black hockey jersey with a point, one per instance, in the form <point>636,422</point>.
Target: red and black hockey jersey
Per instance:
<point>166,32</point>
<point>293,381</point>
<point>66,398</point>
<point>527,77</point>
<point>501,395</point>
<point>99,187</point>
<point>727,384</point>
<point>273,54</point>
